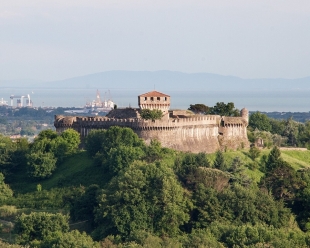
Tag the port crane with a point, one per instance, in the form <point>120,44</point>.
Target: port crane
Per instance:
<point>20,102</point>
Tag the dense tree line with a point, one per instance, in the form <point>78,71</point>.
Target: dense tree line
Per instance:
<point>279,132</point>
<point>154,196</point>
<point>41,156</point>
<point>220,108</point>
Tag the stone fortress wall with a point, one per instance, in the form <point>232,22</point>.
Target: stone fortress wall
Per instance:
<point>177,130</point>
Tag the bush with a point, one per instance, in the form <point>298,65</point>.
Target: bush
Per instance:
<point>254,152</point>
<point>154,114</point>
<point>41,165</point>
<point>36,229</point>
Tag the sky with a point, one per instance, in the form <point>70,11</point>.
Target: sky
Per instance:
<point>56,39</point>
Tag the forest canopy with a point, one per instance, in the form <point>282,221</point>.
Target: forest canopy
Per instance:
<point>120,192</point>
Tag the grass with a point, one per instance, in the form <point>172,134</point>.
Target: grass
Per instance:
<point>297,159</point>
<point>79,170</point>
<point>74,171</point>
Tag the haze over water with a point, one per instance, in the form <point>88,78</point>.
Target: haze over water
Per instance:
<point>282,101</point>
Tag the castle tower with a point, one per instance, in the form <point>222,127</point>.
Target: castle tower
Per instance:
<point>154,100</point>
<point>245,114</point>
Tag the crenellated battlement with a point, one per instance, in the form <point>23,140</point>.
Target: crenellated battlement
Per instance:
<point>180,120</point>
<point>134,123</point>
<point>180,130</point>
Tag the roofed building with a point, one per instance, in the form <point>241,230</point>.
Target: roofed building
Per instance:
<point>154,100</point>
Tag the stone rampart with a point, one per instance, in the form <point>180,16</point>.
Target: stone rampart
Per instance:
<point>187,138</point>
<point>194,134</point>
<point>135,123</point>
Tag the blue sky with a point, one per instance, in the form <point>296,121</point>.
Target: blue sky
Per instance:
<point>51,40</point>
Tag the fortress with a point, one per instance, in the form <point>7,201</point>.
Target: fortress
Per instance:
<point>179,130</point>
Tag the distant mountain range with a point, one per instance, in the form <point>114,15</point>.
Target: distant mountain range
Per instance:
<point>165,80</point>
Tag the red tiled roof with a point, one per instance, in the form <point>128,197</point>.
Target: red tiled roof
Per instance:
<point>154,94</point>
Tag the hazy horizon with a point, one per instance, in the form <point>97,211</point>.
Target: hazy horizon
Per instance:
<point>123,87</point>
<point>30,80</point>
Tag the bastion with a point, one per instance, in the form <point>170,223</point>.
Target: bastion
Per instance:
<point>177,129</point>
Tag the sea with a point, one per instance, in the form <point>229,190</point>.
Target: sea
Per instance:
<point>266,101</point>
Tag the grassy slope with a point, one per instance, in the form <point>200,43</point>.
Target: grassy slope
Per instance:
<point>297,159</point>
<point>76,170</point>
<point>79,170</point>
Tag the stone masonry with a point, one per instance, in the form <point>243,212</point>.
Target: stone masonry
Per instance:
<point>178,130</point>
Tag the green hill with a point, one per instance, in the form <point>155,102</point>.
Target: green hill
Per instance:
<point>80,170</point>
<point>76,170</point>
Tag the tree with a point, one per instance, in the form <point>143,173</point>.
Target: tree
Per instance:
<point>211,178</point>
<point>5,191</point>
<point>18,158</point>
<point>277,126</point>
<point>40,228</point>
<point>280,178</point>
<point>254,152</point>
<point>41,145</point>
<point>185,166</point>
<point>75,239</point>
<point>202,238</point>
<point>72,138</point>
<point>237,205</point>
<point>154,114</point>
<point>304,134</point>
<point>154,151</point>
<point>223,109</point>
<point>120,147</point>
<point>142,197</point>
<point>199,109</point>
<point>60,148</point>
<point>291,131</point>
<point>274,158</point>
<point>116,136</point>
<point>94,141</point>
<point>7,245</point>
<point>236,165</point>
<point>219,162</point>
<point>202,160</point>
<point>83,206</point>
<point>282,181</point>
<point>41,164</point>
<point>122,156</point>
<point>53,146</point>
<point>207,207</point>
<point>7,148</point>
<point>47,134</point>
<point>260,121</point>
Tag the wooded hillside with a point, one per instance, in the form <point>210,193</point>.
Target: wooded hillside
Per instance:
<point>119,192</point>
